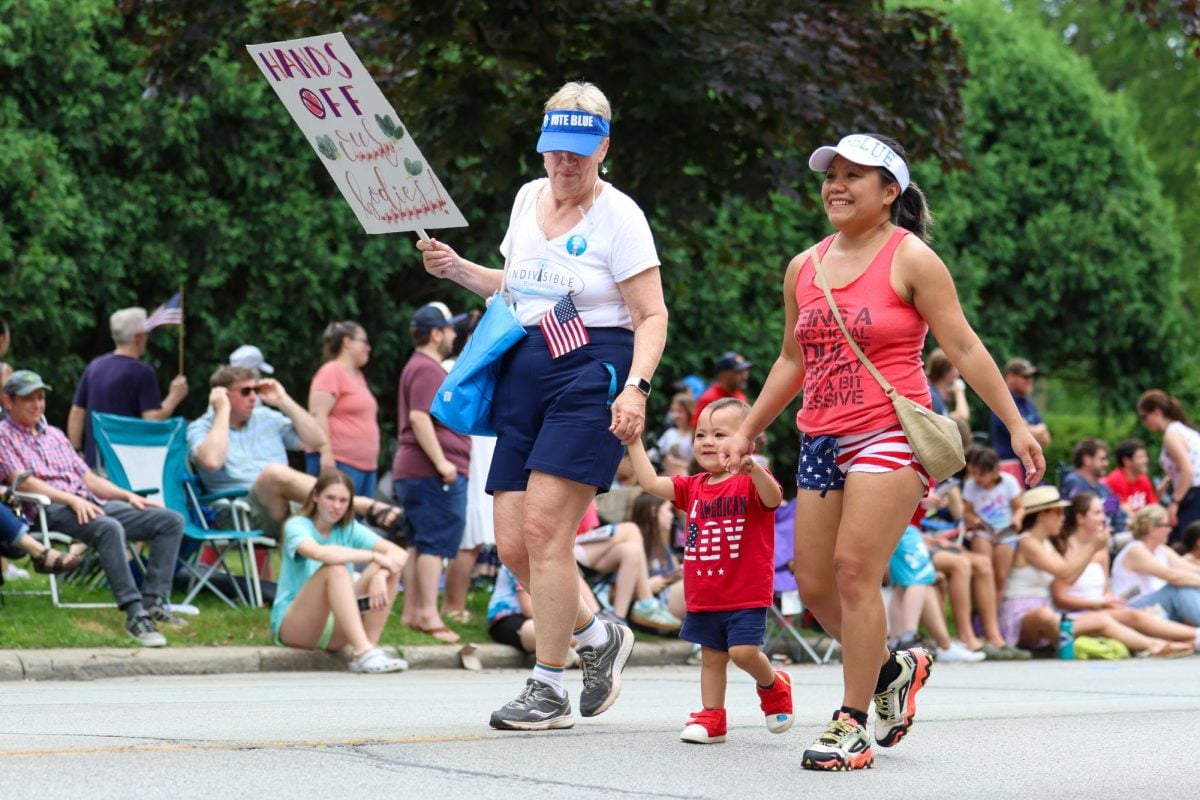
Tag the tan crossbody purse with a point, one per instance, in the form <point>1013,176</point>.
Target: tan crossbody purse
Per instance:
<point>933,437</point>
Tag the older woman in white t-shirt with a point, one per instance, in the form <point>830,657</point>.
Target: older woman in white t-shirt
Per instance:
<point>1151,573</point>
<point>582,275</point>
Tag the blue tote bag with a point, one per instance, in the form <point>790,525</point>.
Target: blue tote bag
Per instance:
<point>464,401</point>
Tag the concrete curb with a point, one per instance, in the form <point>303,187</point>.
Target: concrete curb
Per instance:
<point>116,662</point>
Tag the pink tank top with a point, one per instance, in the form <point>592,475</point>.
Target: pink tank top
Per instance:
<point>840,396</point>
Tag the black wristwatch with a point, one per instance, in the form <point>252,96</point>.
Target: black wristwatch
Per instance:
<point>641,384</point>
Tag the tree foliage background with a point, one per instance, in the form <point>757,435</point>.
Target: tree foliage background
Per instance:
<point>141,150</point>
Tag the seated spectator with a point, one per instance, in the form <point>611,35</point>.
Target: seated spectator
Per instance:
<point>1148,572</point>
<point>674,446</point>
<point>618,549</point>
<point>1027,616</point>
<point>1091,590</point>
<point>242,444</point>
<point>15,541</point>
<point>250,357</point>
<point>1130,480</point>
<point>655,518</point>
<point>732,372</point>
<point>510,613</point>
<point>991,509</point>
<point>121,383</point>
<point>1090,459</point>
<point>320,603</point>
<point>341,402</point>
<point>971,587</point>
<point>87,507</point>
<point>912,575</point>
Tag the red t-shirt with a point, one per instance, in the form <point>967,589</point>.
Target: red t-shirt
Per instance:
<point>840,395</point>
<point>729,549</point>
<point>419,382</point>
<point>1137,494</point>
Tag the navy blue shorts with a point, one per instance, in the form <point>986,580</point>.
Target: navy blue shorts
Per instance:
<point>721,630</point>
<point>435,514</point>
<point>553,415</point>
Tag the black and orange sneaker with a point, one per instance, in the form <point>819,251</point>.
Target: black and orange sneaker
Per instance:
<point>845,745</point>
<point>896,706</point>
<point>776,703</point>
<point>706,726</point>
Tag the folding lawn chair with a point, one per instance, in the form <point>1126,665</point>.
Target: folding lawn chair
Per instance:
<point>40,530</point>
<point>150,457</point>
<point>780,628</point>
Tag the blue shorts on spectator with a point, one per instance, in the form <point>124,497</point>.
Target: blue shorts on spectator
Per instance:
<point>434,514</point>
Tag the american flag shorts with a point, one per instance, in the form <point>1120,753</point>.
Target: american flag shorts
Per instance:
<point>825,461</point>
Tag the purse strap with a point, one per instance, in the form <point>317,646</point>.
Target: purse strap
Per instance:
<point>888,389</point>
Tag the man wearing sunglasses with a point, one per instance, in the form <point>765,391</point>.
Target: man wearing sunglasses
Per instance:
<point>242,444</point>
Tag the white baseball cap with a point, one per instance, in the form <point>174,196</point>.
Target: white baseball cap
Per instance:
<point>250,356</point>
<point>860,148</point>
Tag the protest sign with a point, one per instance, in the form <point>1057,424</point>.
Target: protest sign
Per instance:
<point>357,134</point>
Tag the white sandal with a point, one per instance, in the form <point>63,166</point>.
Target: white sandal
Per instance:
<point>376,661</point>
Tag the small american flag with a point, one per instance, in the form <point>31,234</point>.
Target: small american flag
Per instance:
<point>563,329</point>
<point>169,313</point>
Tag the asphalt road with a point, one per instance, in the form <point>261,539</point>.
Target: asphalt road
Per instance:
<point>1044,729</point>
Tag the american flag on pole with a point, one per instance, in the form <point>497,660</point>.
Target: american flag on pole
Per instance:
<point>563,329</point>
<point>169,313</point>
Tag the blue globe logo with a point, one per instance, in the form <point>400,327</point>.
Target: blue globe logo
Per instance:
<point>576,245</point>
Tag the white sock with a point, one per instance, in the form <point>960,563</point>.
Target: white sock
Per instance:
<point>593,634</point>
<point>551,676</point>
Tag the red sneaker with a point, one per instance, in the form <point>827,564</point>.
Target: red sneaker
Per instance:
<point>776,703</point>
<point>705,727</point>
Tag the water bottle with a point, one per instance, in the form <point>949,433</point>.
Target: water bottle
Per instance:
<point>1066,637</point>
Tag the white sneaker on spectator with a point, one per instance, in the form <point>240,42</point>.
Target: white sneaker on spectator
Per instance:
<point>14,573</point>
<point>957,651</point>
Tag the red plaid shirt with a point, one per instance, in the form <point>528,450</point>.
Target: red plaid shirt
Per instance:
<point>47,453</point>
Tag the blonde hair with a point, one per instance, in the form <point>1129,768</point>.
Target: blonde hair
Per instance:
<point>580,96</point>
<point>1145,519</point>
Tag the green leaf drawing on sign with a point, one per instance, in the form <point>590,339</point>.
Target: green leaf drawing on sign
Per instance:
<point>392,129</point>
<point>414,167</point>
<point>327,147</point>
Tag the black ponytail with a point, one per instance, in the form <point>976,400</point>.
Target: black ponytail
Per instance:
<point>910,210</point>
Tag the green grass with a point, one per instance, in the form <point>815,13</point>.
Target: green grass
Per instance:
<point>31,621</point>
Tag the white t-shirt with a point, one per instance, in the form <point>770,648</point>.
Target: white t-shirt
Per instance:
<point>1191,440</point>
<point>610,244</point>
<point>994,505</point>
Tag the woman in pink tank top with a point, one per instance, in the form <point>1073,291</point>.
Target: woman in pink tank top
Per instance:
<point>859,483</point>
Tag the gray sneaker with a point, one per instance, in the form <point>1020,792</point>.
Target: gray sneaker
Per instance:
<point>142,629</point>
<point>602,670</point>
<point>161,615</point>
<point>537,708</point>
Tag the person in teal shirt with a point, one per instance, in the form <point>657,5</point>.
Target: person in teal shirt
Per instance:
<point>319,602</point>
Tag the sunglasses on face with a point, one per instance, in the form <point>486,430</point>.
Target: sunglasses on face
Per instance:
<point>246,391</point>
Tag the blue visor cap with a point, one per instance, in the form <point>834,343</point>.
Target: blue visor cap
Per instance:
<point>575,132</point>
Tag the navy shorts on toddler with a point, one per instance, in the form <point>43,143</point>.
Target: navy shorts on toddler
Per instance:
<point>552,414</point>
<point>720,630</point>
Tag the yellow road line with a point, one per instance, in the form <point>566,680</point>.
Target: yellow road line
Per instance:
<point>236,746</point>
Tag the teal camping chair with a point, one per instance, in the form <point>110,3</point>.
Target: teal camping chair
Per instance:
<point>150,457</point>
